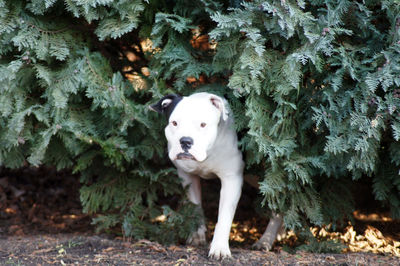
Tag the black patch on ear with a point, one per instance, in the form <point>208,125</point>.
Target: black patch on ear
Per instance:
<point>166,104</point>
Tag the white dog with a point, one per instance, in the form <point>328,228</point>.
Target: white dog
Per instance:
<point>202,143</point>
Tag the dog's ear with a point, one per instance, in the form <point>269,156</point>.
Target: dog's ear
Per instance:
<point>220,103</point>
<point>166,104</point>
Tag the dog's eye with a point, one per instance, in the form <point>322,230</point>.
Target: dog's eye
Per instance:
<point>203,124</point>
<point>174,123</point>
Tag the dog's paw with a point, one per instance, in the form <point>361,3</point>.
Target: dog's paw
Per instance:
<point>262,245</point>
<point>198,238</point>
<point>219,251</point>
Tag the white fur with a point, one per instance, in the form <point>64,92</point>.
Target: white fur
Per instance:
<point>217,155</point>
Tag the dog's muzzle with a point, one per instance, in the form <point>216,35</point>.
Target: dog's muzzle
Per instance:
<point>185,156</point>
<point>186,143</point>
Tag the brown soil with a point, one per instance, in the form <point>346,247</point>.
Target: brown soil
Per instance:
<point>41,223</point>
<point>69,249</point>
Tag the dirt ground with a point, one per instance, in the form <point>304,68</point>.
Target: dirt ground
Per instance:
<point>70,249</point>
<point>41,223</point>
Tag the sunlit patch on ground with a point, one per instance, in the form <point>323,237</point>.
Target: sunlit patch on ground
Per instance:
<point>371,239</point>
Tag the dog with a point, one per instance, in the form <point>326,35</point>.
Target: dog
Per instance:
<point>202,143</point>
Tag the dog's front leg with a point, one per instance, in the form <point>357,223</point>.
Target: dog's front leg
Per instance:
<point>231,188</point>
<point>275,226</point>
<point>194,195</point>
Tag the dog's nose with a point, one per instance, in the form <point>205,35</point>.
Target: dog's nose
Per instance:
<point>186,143</point>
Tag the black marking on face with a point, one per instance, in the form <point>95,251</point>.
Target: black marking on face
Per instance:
<point>166,104</point>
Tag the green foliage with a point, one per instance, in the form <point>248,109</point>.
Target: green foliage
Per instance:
<point>314,87</point>
<point>62,104</point>
<point>321,99</point>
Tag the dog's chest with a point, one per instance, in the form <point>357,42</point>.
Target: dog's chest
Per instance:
<point>201,169</point>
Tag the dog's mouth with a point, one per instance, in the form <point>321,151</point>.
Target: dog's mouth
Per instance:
<point>185,156</point>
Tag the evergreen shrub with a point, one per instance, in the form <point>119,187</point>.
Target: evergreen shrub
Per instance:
<point>314,85</point>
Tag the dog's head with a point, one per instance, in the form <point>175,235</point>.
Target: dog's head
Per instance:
<point>192,124</point>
